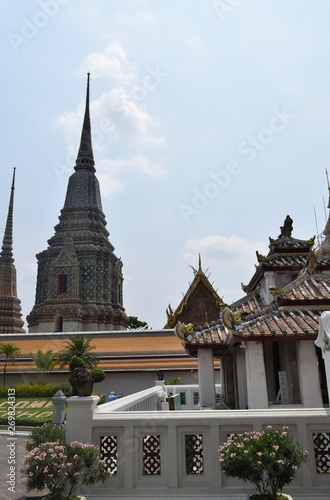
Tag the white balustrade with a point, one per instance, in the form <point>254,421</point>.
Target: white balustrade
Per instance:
<point>174,454</point>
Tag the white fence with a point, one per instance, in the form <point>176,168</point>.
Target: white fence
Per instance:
<point>173,454</point>
<point>189,395</point>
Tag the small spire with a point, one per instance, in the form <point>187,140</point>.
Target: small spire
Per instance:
<point>7,244</point>
<point>85,158</point>
<point>326,173</point>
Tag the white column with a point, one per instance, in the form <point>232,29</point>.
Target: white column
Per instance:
<point>241,378</point>
<point>257,394</point>
<point>79,418</point>
<point>323,342</point>
<point>206,379</point>
<point>310,388</point>
<point>326,357</point>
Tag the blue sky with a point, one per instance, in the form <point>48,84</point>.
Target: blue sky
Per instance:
<point>210,125</point>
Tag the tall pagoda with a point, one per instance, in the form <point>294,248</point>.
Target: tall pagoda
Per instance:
<point>10,305</point>
<point>79,280</point>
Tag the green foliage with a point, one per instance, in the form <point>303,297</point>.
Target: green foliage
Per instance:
<point>46,433</point>
<point>267,459</point>
<point>45,360</point>
<point>35,391</point>
<point>135,324</point>
<point>173,381</point>
<point>81,347</point>
<point>62,468</point>
<point>26,421</point>
<point>10,351</point>
<point>76,362</point>
<point>97,374</point>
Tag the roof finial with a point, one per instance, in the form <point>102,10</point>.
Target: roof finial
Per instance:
<point>199,262</point>
<point>326,173</point>
<point>85,158</point>
<point>7,244</point>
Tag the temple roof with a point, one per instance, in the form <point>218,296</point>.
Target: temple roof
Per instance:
<point>200,304</point>
<point>285,253</point>
<point>117,351</point>
<point>294,310</point>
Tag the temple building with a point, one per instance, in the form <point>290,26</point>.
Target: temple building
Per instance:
<point>199,305</point>
<point>80,279</point>
<point>10,305</point>
<point>262,345</point>
<point>266,340</point>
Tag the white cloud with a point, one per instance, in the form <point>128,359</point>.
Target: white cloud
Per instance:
<point>111,172</point>
<point>120,115</point>
<point>112,63</point>
<point>229,259</point>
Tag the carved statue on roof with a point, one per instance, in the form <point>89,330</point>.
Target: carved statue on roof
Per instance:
<point>184,332</point>
<point>275,290</point>
<point>286,229</point>
<point>231,319</point>
<point>169,314</point>
<point>260,257</point>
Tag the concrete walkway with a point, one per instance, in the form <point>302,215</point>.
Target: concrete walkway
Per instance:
<point>12,452</point>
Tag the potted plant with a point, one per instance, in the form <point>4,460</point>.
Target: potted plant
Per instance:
<point>268,459</point>
<point>62,468</point>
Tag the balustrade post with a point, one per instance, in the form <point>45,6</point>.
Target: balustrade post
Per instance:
<point>79,421</point>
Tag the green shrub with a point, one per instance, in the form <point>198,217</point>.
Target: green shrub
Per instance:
<point>46,433</point>
<point>35,391</point>
<point>76,362</point>
<point>26,421</point>
<point>97,374</point>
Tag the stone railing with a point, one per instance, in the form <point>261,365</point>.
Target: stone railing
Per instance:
<point>189,395</point>
<point>147,400</point>
<point>173,454</point>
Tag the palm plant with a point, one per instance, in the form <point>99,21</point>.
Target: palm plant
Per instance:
<point>45,362</point>
<point>80,347</point>
<point>10,351</point>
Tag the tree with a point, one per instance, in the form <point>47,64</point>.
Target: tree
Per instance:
<point>135,324</point>
<point>10,351</point>
<point>44,361</point>
<point>80,347</point>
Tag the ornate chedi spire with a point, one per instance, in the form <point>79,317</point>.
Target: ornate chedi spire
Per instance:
<point>79,283</point>
<point>7,244</point>
<point>10,305</point>
<point>85,158</point>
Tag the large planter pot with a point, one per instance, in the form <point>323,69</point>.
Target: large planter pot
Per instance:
<point>85,389</point>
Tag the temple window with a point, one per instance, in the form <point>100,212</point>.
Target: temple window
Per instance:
<point>62,283</point>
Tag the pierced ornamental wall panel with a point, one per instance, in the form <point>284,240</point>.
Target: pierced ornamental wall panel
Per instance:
<point>194,454</point>
<point>321,443</point>
<point>183,398</point>
<point>151,455</point>
<point>109,452</point>
<point>196,398</point>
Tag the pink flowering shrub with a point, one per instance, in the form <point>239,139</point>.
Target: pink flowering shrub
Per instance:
<point>62,468</point>
<point>268,459</point>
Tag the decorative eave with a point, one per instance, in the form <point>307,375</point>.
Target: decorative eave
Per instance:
<point>199,278</point>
